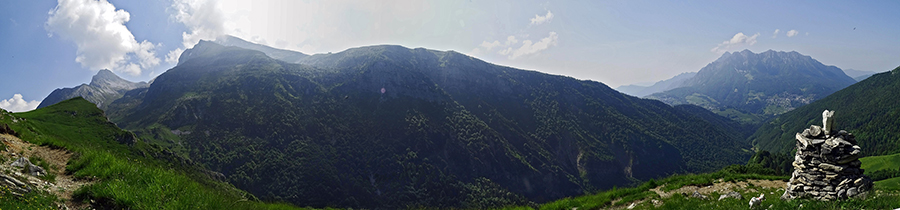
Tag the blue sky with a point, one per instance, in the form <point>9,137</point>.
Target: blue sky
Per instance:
<point>46,45</point>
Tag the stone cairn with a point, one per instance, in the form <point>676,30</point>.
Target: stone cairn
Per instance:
<point>826,166</point>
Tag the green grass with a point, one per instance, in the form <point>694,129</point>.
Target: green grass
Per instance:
<point>32,200</point>
<point>50,176</point>
<point>623,196</point>
<point>887,195</point>
<point>126,174</point>
<point>883,162</point>
<point>888,184</point>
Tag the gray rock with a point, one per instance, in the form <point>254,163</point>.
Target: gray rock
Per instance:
<point>827,121</point>
<point>18,187</point>
<point>21,162</point>
<point>731,194</point>
<point>31,169</point>
<point>830,167</point>
<point>815,130</point>
<point>698,195</point>
<point>35,170</point>
<point>852,192</point>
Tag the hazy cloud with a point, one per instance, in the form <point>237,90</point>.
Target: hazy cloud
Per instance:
<point>511,40</point>
<point>489,45</point>
<point>204,19</point>
<point>792,33</point>
<point>775,34</point>
<point>99,32</point>
<point>739,39</point>
<point>17,104</point>
<point>528,47</point>
<point>537,20</point>
<point>172,56</point>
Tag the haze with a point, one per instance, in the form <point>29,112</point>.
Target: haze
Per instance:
<point>48,45</point>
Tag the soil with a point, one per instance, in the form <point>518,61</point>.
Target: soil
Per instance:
<point>722,187</point>
<point>64,185</point>
<point>719,186</point>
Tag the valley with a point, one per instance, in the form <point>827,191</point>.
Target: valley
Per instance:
<point>259,121</point>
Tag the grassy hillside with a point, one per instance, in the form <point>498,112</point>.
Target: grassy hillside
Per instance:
<point>868,109</point>
<point>736,178</point>
<point>128,173</point>
<point>883,162</point>
<point>888,184</point>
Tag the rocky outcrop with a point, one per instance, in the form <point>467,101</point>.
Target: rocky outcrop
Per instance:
<point>14,185</point>
<point>105,88</point>
<point>826,166</point>
<point>29,168</point>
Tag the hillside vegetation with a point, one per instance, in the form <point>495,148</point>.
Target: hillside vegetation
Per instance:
<point>126,172</point>
<point>709,190</point>
<point>392,127</point>
<point>868,109</point>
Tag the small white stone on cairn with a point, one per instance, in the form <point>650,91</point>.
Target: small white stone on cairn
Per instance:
<point>827,122</point>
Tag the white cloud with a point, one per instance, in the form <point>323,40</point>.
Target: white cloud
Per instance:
<point>511,40</point>
<point>99,32</point>
<point>792,33</point>
<point>17,104</point>
<point>505,51</point>
<point>489,45</point>
<point>475,52</point>
<point>775,34</point>
<point>537,20</point>
<point>203,18</point>
<point>528,48</point>
<point>316,26</point>
<point>172,56</point>
<point>738,40</point>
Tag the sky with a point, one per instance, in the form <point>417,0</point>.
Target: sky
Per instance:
<point>45,45</point>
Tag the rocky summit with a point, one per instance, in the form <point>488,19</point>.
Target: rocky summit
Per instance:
<point>826,165</point>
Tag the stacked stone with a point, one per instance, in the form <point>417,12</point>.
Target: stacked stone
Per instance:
<point>826,167</point>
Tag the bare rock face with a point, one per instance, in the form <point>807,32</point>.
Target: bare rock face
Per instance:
<point>17,187</point>
<point>826,167</point>
<point>30,168</point>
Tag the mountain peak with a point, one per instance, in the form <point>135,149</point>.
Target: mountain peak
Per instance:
<point>771,77</point>
<point>105,87</point>
<point>105,77</point>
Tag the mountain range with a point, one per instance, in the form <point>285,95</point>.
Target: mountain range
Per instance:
<point>642,90</point>
<point>664,85</point>
<point>752,88</point>
<point>859,75</point>
<point>105,87</point>
<point>392,127</point>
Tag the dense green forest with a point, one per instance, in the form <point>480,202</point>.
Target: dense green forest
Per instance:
<point>868,109</point>
<point>392,127</point>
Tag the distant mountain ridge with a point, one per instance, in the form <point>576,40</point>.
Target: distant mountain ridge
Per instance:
<point>664,85</point>
<point>753,87</point>
<point>392,127</point>
<point>105,87</point>
<point>280,54</point>
<point>859,75</point>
